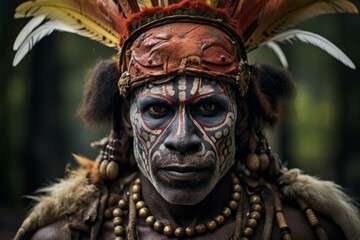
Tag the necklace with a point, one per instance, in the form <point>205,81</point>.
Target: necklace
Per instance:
<point>188,231</point>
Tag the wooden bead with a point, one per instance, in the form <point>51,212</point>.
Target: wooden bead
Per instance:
<point>112,170</point>
<point>236,180</point>
<point>247,232</point>
<point>150,220</point>
<point>251,223</point>
<point>137,181</point>
<point>119,230</point>
<point>200,229</point>
<point>102,169</point>
<point>236,196</point>
<point>107,213</point>
<point>237,188</point>
<point>226,212</point>
<point>144,212</point>
<point>256,208</point>
<point>255,199</point>
<point>117,212</point>
<point>140,204</point>
<point>220,219</point>
<point>189,231</point>
<point>136,197</point>
<point>232,205</point>
<point>168,230</point>
<point>123,203</point>
<point>211,225</point>
<point>255,215</point>
<point>158,226</point>
<point>136,188</point>
<point>244,238</point>
<point>253,162</point>
<point>264,161</point>
<point>119,238</point>
<point>179,232</point>
<point>117,221</point>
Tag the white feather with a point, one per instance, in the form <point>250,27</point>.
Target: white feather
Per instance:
<point>316,40</point>
<point>279,53</point>
<point>36,35</point>
<point>27,30</point>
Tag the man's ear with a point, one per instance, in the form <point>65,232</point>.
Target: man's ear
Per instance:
<point>125,116</point>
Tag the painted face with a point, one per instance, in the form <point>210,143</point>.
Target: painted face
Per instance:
<point>184,136</point>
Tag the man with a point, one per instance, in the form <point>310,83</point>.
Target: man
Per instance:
<point>187,156</point>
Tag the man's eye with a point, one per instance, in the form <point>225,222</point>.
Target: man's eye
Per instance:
<point>157,109</point>
<point>207,107</point>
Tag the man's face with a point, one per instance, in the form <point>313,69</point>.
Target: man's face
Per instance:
<point>184,136</point>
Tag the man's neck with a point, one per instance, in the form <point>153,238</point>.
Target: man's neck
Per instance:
<point>184,215</point>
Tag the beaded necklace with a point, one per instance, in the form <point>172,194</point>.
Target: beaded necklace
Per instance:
<point>188,231</point>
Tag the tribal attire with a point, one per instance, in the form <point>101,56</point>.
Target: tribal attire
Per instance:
<point>188,115</point>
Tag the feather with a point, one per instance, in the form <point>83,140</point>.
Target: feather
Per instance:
<point>278,52</point>
<point>29,27</point>
<point>144,4</point>
<point>44,30</point>
<point>275,16</point>
<point>325,197</point>
<point>316,40</point>
<point>99,20</point>
<point>212,3</point>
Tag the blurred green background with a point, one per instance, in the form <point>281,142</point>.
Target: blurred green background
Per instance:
<point>38,101</point>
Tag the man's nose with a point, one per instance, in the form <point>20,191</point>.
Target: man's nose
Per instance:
<point>183,136</point>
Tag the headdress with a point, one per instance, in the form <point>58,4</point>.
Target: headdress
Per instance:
<point>158,38</point>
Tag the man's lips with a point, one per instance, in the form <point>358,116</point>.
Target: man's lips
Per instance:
<point>183,173</point>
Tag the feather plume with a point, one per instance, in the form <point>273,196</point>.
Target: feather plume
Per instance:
<point>262,19</point>
<point>316,40</point>
<point>278,52</point>
<point>27,30</point>
<point>99,20</point>
<point>35,36</point>
<point>325,197</point>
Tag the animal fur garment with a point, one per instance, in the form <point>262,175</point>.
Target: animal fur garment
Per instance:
<point>66,197</point>
<point>325,197</point>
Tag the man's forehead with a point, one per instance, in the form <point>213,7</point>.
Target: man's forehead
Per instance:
<point>188,85</point>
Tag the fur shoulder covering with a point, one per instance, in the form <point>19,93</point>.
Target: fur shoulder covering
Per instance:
<point>325,197</point>
<point>66,197</point>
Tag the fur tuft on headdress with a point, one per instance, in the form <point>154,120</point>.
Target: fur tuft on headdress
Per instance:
<point>325,197</point>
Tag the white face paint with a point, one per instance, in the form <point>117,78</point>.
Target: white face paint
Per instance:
<point>184,136</point>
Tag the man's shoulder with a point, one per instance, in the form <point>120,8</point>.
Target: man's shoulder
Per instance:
<point>301,228</point>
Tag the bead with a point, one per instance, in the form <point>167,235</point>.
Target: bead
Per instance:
<point>211,225</point>
<point>136,188</point>
<point>140,204</point>
<point>102,169</point>
<point>113,199</point>
<point>232,205</point>
<point>136,197</point>
<point>150,220</point>
<point>200,228</point>
<point>123,203</point>
<point>144,212</point>
<point>226,212</point>
<point>236,196</point>
<point>253,162</point>
<point>220,219</point>
<point>256,208</point>
<point>264,161</point>
<point>112,170</point>
<point>255,215</point>
<point>235,180</point>
<point>119,238</point>
<point>244,238</point>
<point>247,232</point>
<point>107,213</point>
<point>168,230</point>
<point>119,230</point>
<point>117,212</point>
<point>117,221</point>
<point>179,232</point>
<point>190,231</point>
<point>255,199</point>
<point>251,223</point>
<point>237,188</point>
<point>137,181</point>
<point>158,226</point>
